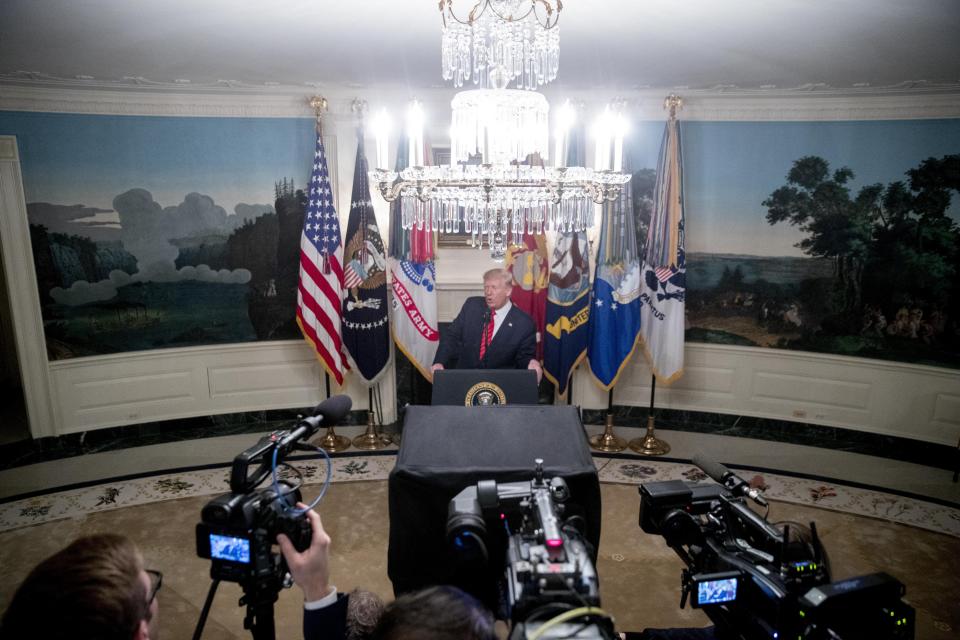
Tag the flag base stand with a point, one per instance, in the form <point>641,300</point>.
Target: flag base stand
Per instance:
<point>371,440</point>
<point>650,445</point>
<point>608,441</point>
<point>332,443</point>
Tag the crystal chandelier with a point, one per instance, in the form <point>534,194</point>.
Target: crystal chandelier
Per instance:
<point>519,36</point>
<point>497,185</point>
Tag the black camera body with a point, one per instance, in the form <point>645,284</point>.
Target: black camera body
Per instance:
<point>538,559</point>
<point>237,532</point>
<point>755,580</point>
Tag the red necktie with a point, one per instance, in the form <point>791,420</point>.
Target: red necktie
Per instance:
<point>488,335</point>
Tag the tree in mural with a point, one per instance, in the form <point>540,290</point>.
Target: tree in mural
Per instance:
<point>895,248</point>
<point>642,183</point>
<point>916,244</point>
<point>839,227</point>
<point>270,248</point>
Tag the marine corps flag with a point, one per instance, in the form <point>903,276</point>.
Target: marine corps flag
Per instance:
<point>528,265</point>
<point>567,309</point>
<point>615,304</point>
<point>366,335</point>
<point>413,279</point>
<point>663,289</point>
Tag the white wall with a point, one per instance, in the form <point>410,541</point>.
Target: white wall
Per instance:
<point>104,391</point>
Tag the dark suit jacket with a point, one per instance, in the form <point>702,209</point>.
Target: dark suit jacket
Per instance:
<point>513,347</point>
<point>329,623</point>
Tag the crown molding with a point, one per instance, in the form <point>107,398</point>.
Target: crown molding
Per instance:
<point>913,100</point>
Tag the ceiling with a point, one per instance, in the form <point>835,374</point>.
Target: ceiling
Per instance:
<point>614,45</point>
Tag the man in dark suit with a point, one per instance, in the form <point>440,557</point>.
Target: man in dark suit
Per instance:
<point>438,613</point>
<point>490,332</point>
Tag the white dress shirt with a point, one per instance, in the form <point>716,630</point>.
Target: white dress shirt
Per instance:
<point>500,316</point>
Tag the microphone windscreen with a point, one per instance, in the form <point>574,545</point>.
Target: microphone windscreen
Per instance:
<point>333,409</point>
<point>713,469</point>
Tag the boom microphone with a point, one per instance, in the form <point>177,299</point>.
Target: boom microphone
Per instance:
<point>329,412</point>
<point>333,409</point>
<point>737,485</point>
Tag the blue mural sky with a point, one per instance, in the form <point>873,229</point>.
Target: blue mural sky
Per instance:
<point>731,167</point>
<point>88,159</point>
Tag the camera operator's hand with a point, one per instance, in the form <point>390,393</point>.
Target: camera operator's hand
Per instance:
<point>311,568</point>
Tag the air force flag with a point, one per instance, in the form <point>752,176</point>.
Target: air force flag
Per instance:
<point>615,304</point>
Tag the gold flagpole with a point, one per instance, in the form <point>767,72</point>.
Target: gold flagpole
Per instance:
<point>608,441</point>
<point>650,444</point>
<point>371,440</point>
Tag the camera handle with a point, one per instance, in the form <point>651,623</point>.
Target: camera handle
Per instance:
<point>685,582</point>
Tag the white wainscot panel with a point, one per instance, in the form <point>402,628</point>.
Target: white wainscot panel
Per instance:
<point>815,390</point>
<point>450,297</point>
<point>889,398</point>
<point>107,391</point>
<point>946,409</point>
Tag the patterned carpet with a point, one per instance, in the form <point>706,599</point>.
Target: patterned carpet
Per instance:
<point>125,492</point>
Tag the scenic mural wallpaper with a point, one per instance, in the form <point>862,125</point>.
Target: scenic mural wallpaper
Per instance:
<point>832,237</point>
<point>154,232</point>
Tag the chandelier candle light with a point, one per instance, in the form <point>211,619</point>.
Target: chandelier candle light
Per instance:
<point>497,185</point>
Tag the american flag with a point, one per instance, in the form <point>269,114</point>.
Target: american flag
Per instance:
<point>663,273</point>
<point>321,274</point>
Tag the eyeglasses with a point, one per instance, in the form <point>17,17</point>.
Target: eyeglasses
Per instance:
<point>156,581</point>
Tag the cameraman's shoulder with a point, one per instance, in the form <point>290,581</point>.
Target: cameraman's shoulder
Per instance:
<point>328,622</point>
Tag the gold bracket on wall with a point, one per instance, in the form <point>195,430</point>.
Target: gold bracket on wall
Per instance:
<point>319,106</point>
<point>359,108</point>
<point>674,103</point>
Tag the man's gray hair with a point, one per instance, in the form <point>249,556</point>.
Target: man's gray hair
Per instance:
<point>503,274</point>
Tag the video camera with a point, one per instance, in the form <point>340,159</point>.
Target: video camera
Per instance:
<point>238,530</point>
<point>756,580</point>
<point>538,563</point>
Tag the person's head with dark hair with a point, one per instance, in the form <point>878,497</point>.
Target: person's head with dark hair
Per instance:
<point>437,613</point>
<point>94,588</point>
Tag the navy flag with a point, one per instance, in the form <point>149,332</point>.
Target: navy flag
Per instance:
<point>566,332</point>
<point>366,333</point>
<point>568,309</point>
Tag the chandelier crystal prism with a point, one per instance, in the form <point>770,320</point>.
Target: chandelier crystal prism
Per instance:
<point>497,185</point>
<point>521,37</point>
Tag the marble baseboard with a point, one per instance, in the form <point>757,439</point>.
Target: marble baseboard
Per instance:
<point>849,440</point>
<point>412,388</point>
<point>117,494</point>
<point>112,439</point>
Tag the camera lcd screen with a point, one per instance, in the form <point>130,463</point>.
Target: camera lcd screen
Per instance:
<point>717,591</point>
<point>229,548</point>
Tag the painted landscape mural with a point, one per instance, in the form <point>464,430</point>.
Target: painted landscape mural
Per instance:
<point>840,238</point>
<point>832,237</point>
<point>151,233</point>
